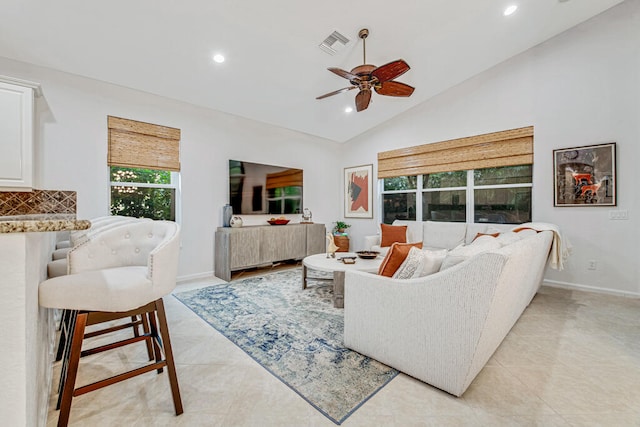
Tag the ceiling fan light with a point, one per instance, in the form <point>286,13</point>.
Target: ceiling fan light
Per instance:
<point>510,10</point>
<point>217,58</point>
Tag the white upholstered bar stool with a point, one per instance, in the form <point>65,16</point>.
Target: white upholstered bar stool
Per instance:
<point>59,267</point>
<point>118,273</point>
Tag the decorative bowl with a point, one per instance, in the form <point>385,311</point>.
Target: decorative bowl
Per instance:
<point>278,221</point>
<point>367,254</point>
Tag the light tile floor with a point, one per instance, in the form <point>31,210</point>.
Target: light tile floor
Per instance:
<point>573,359</point>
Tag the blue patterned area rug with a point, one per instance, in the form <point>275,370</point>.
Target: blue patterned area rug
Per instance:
<point>296,335</point>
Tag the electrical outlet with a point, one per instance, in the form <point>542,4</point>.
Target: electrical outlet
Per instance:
<point>620,214</point>
<point>592,264</point>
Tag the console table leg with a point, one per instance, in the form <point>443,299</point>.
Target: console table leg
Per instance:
<point>304,276</point>
<point>338,289</point>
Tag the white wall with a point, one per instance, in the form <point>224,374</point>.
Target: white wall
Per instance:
<point>71,153</point>
<point>579,88</point>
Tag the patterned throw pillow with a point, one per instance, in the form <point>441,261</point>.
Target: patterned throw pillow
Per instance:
<point>392,234</point>
<point>395,257</point>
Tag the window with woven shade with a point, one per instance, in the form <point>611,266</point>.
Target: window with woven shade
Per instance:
<point>482,178</point>
<point>144,163</point>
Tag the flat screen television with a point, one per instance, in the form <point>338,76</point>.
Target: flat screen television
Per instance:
<point>256,188</point>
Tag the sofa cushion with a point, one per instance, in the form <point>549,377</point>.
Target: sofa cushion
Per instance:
<point>446,235</point>
<point>395,257</point>
<point>392,233</point>
<point>420,263</point>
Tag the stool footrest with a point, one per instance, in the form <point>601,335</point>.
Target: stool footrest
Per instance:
<point>117,378</point>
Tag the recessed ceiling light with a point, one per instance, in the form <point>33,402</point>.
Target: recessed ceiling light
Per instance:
<point>218,58</point>
<point>348,110</point>
<point>510,10</point>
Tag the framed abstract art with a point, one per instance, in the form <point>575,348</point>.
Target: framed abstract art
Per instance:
<point>585,176</point>
<point>358,192</point>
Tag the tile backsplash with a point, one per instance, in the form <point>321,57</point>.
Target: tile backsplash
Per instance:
<point>15,203</point>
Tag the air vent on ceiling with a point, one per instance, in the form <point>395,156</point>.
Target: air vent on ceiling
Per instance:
<point>334,43</point>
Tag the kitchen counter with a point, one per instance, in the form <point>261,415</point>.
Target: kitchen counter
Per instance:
<point>42,223</point>
<point>28,338</point>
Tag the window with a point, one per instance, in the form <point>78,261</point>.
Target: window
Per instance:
<point>489,195</point>
<point>144,162</point>
<point>144,193</point>
<point>481,178</point>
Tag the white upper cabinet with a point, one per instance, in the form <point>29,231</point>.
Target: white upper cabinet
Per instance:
<point>16,134</point>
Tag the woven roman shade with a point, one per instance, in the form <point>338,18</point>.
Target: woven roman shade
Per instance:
<point>143,145</point>
<point>506,148</point>
<point>288,178</point>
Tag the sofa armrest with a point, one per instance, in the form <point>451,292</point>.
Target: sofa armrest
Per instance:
<point>427,327</point>
<point>370,241</point>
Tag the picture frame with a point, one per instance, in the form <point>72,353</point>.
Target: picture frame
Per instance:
<point>585,176</point>
<point>358,192</point>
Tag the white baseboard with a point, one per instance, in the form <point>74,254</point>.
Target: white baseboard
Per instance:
<point>197,276</point>
<point>579,287</point>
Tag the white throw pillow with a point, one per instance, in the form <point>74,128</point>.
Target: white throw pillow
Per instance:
<point>461,253</point>
<point>432,261</point>
<point>507,238</point>
<point>526,233</point>
<point>420,263</point>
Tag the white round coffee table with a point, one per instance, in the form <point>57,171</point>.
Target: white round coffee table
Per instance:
<point>320,262</point>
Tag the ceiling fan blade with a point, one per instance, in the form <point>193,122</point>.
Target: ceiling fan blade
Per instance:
<point>345,74</point>
<point>390,71</point>
<point>362,99</point>
<point>335,92</point>
<point>394,89</point>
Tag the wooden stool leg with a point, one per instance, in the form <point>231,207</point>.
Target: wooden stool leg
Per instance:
<point>156,337</point>
<point>168,354</point>
<point>72,370</point>
<point>149,342</point>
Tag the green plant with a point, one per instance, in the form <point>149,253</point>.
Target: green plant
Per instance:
<point>340,227</point>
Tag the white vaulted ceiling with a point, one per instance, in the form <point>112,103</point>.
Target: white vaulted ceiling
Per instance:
<point>274,68</point>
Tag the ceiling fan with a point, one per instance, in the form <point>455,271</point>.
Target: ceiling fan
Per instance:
<point>366,77</point>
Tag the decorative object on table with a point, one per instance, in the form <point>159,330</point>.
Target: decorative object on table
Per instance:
<point>331,246</point>
<point>235,222</point>
<point>368,254</point>
<point>296,336</point>
<point>585,176</point>
<point>342,242</point>
<point>306,217</point>
<point>358,192</point>
<point>348,260</point>
<point>227,213</point>
<point>340,227</point>
<point>278,221</point>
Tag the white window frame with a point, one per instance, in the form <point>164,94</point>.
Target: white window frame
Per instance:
<point>469,188</point>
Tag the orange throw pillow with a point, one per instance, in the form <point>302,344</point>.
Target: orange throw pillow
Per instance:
<point>517,230</point>
<point>395,257</point>
<point>392,234</point>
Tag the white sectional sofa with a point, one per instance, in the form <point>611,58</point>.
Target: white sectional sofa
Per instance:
<point>437,235</point>
<point>444,327</point>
